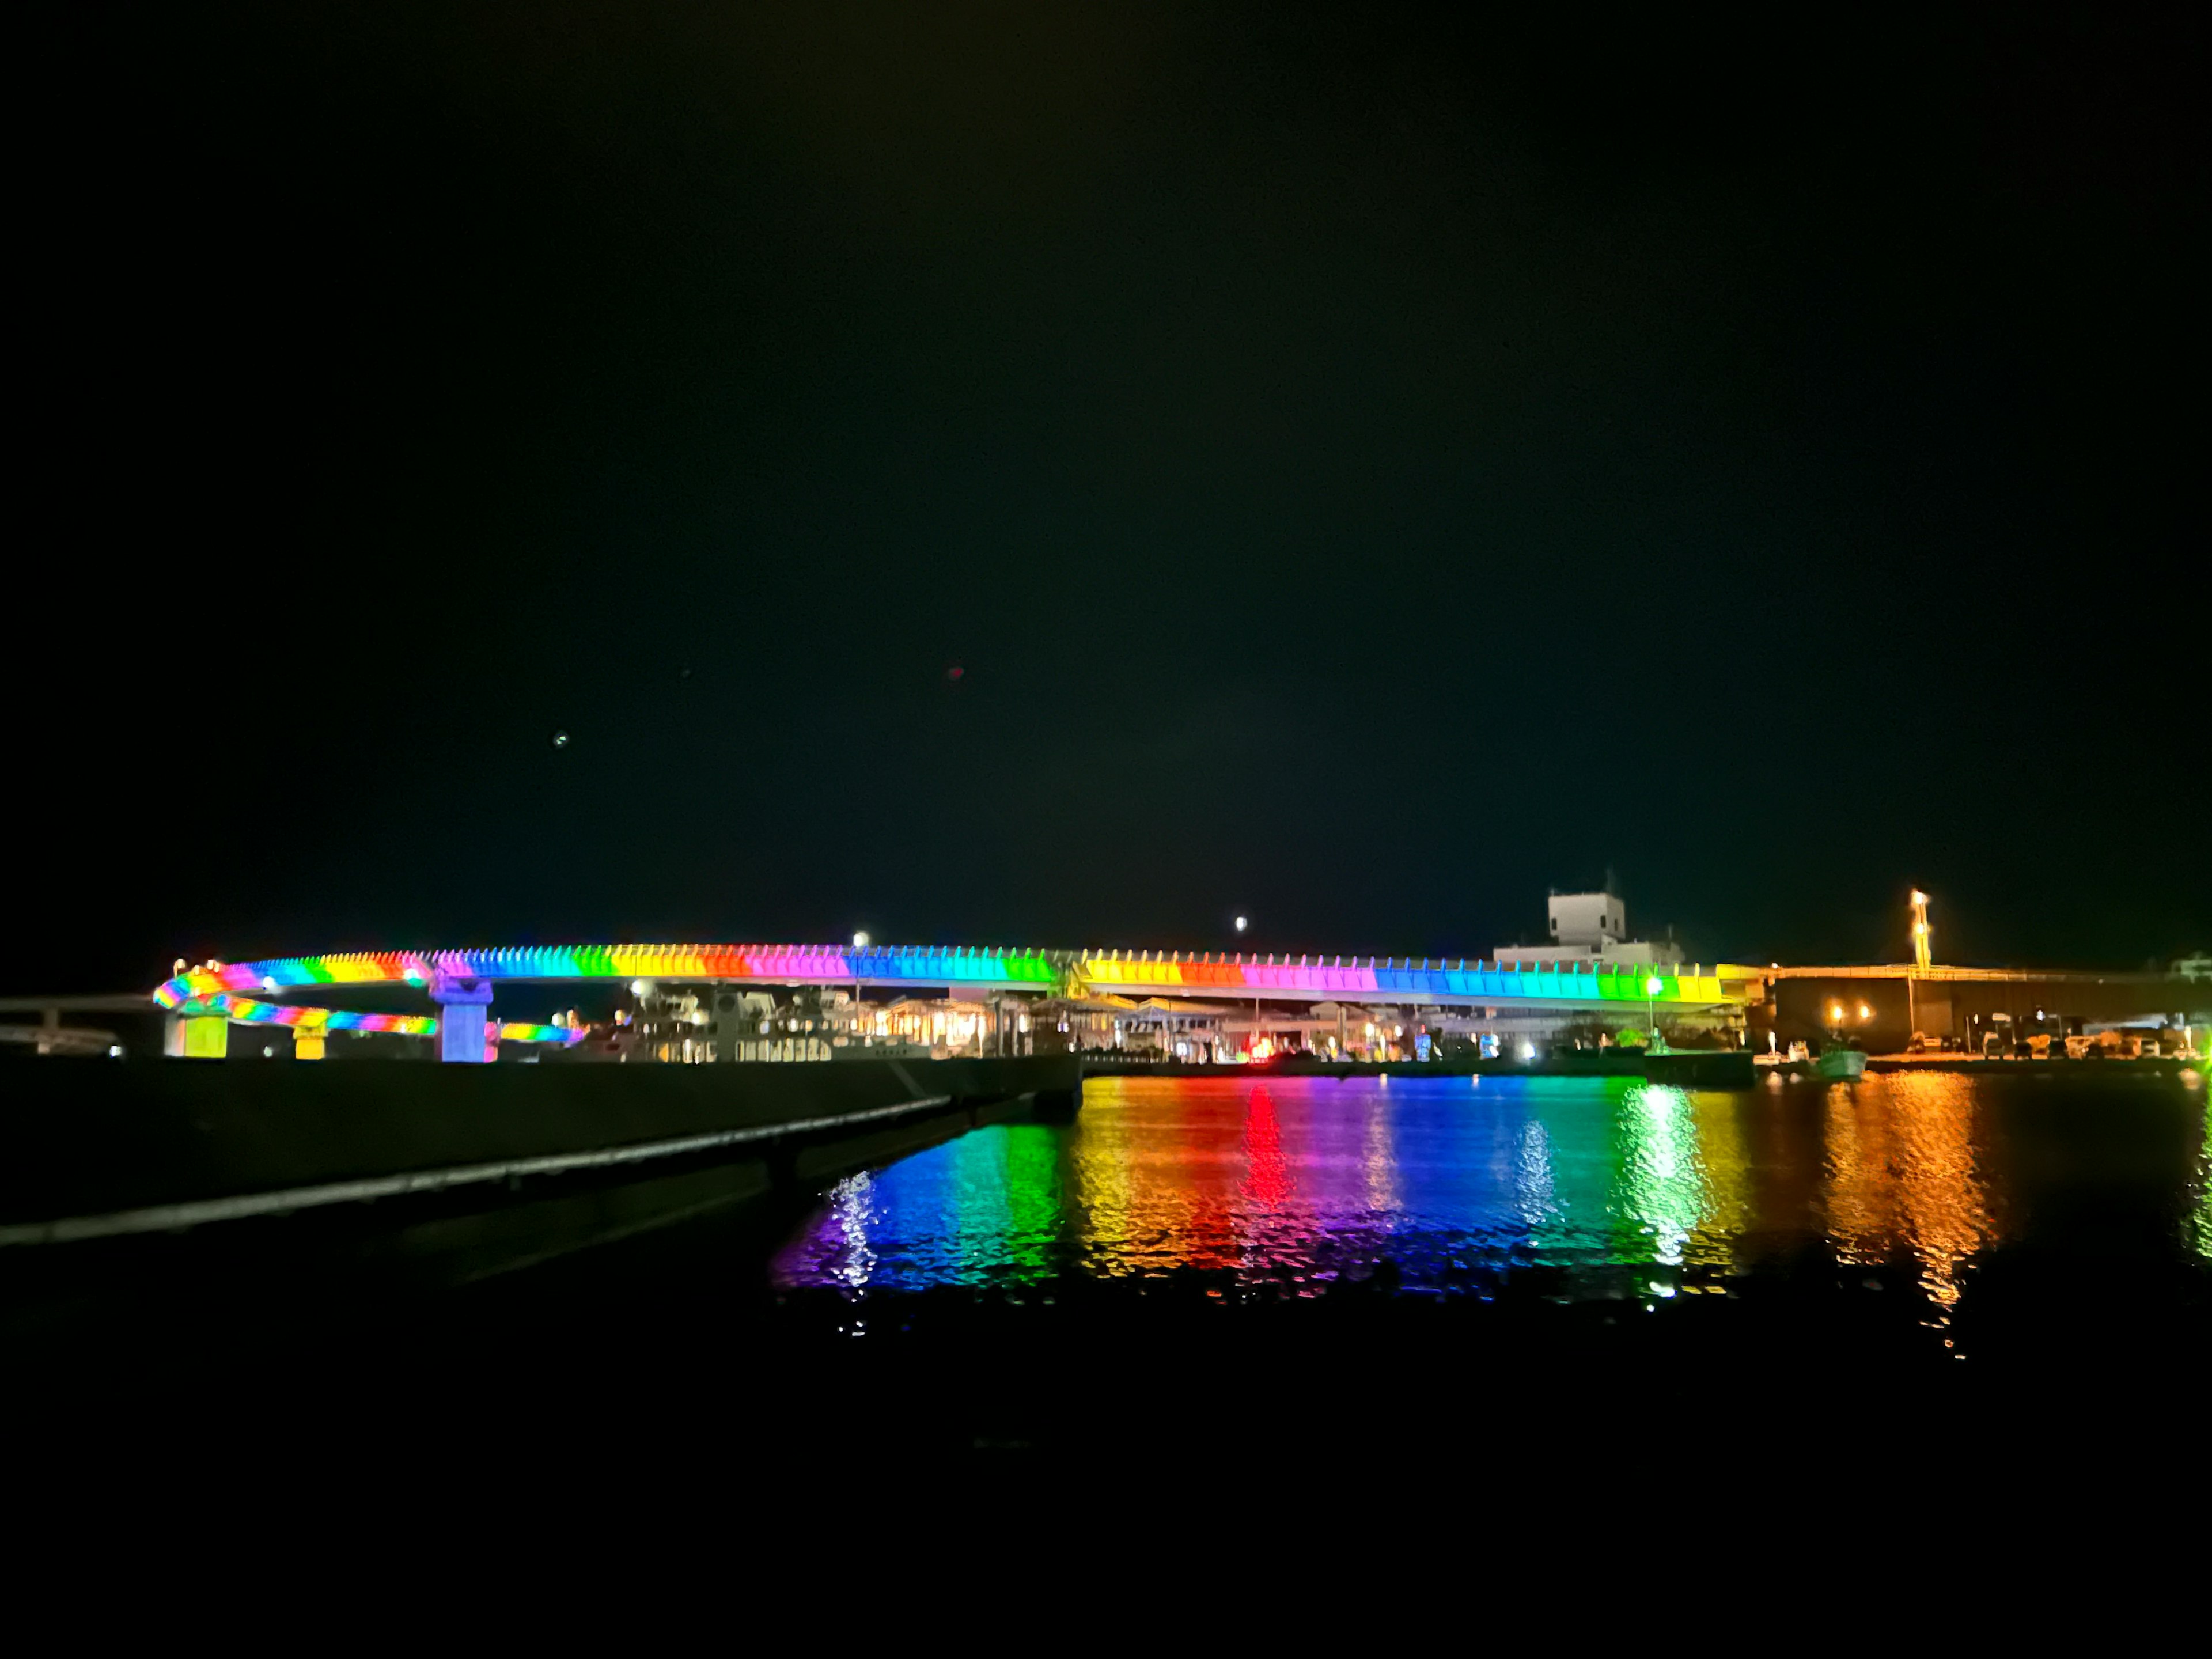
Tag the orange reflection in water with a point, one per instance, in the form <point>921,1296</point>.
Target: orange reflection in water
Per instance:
<point>1901,1175</point>
<point>1155,1186</point>
<point>1724,1164</point>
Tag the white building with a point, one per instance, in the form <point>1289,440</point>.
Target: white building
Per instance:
<point>1592,927</point>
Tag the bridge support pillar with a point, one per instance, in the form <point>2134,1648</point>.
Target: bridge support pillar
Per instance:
<point>463,1006</point>
<point>196,1036</point>
<point>307,1040</point>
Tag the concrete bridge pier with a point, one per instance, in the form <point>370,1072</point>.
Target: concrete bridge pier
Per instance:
<point>196,1036</point>
<point>464,1010</point>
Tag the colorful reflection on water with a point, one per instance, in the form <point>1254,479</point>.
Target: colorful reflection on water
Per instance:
<point>2203,1214</point>
<point>1288,1185</point>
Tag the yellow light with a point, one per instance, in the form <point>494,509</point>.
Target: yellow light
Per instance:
<point>1865,1012</point>
<point>1835,1012</point>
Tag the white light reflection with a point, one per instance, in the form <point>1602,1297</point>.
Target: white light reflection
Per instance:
<point>852,1206</point>
<point>1532,1176</point>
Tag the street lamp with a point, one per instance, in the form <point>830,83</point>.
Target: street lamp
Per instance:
<point>1652,986</point>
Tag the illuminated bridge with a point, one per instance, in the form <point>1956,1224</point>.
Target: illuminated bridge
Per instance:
<point>210,998</point>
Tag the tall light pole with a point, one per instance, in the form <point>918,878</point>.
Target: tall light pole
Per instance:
<point>1652,986</point>
<point>860,944</point>
<point>1922,941</point>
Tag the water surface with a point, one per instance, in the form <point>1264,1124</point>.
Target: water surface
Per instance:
<point>1603,1188</point>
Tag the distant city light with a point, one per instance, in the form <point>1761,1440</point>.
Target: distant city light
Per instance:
<point>560,739</point>
<point>1240,924</point>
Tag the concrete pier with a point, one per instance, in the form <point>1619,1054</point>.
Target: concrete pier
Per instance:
<point>137,1173</point>
<point>464,1009</point>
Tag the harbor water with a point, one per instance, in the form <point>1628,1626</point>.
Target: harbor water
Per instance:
<point>1292,1187</point>
<point>1929,1267</point>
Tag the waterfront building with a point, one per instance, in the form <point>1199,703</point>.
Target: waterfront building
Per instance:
<point>1593,927</point>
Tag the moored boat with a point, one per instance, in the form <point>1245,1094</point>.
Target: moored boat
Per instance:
<point>1845,1065</point>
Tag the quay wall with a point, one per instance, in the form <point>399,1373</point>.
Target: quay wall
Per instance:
<point>92,1135</point>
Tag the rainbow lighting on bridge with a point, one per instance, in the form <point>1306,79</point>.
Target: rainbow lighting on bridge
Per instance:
<point>1306,978</point>
<point>240,991</point>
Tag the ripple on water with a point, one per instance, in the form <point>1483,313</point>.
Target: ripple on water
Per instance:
<point>1602,1186</point>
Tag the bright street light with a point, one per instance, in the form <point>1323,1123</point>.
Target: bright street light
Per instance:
<point>861,940</point>
<point>1240,924</point>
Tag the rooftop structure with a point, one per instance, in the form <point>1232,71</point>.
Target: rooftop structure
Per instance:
<point>1593,929</point>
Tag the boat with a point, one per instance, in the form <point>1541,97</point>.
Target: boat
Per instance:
<point>1843,1065</point>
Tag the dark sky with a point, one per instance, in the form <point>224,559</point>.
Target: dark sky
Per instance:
<point>1367,470</point>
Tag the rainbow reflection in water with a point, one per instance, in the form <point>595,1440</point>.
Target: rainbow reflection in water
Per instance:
<point>1288,1185</point>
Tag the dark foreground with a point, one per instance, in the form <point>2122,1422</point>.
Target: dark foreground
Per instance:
<point>1588,1275</point>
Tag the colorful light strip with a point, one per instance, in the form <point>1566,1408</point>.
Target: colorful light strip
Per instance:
<point>249,1011</point>
<point>225,987</point>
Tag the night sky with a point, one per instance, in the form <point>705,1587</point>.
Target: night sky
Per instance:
<point>1365,470</point>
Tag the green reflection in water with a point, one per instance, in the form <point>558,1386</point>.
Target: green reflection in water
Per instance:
<point>1033,1195</point>
<point>1564,1182</point>
<point>1004,1192</point>
<point>1658,1189</point>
